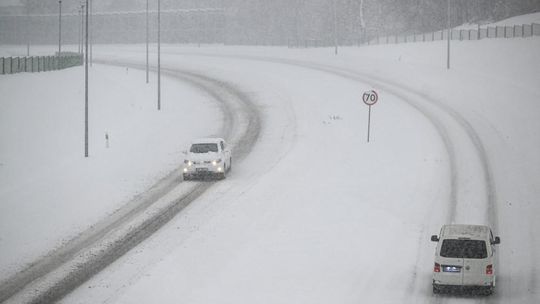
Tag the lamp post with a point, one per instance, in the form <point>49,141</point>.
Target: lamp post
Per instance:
<point>159,55</point>
<point>59,27</point>
<point>27,28</point>
<point>79,33</point>
<point>91,29</point>
<point>449,34</point>
<point>147,34</point>
<point>86,87</point>
<point>81,43</point>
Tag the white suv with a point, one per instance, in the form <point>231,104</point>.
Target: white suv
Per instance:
<point>207,157</point>
<point>464,259</point>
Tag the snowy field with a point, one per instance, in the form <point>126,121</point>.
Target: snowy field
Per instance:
<point>314,214</point>
<point>50,193</point>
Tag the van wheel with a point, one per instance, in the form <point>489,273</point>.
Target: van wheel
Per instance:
<point>230,164</point>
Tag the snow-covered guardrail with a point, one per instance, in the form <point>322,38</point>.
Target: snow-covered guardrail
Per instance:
<point>64,60</point>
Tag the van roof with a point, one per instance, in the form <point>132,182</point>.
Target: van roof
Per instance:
<point>468,231</point>
<point>207,140</point>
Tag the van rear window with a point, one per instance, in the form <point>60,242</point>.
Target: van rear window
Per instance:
<point>466,249</point>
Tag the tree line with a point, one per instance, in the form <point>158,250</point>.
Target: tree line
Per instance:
<point>280,21</point>
<point>356,19</point>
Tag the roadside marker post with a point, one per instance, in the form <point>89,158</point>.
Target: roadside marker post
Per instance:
<point>370,98</point>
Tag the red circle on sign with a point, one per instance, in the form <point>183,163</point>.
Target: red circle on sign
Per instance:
<point>370,97</point>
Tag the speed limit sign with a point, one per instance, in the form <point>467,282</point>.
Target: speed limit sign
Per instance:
<point>370,97</point>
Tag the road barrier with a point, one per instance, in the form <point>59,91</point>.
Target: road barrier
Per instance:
<point>374,37</point>
<point>64,60</point>
<point>513,31</point>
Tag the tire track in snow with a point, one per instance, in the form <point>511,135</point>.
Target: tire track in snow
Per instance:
<point>47,281</point>
<point>399,91</point>
<point>490,194</point>
<point>411,97</point>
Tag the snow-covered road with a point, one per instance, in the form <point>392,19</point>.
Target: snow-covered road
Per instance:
<point>94,248</point>
<point>314,214</point>
<point>334,219</point>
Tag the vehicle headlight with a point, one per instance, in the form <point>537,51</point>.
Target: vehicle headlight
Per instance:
<point>188,162</point>
<point>215,162</point>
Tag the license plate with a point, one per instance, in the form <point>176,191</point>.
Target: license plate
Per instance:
<point>202,169</point>
<point>447,268</point>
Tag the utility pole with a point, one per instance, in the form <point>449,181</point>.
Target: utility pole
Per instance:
<point>28,28</point>
<point>79,33</point>
<point>335,27</point>
<point>86,87</point>
<point>59,27</point>
<point>81,43</point>
<point>147,34</point>
<point>159,56</point>
<point>449,34</point>
<point>91,29</point>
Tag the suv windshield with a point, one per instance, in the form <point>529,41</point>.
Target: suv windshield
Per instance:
<point>203,148</point>
<point>467,249</point>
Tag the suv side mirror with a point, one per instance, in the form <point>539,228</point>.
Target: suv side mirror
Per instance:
<point>496,241</point>
<point>434,238</point>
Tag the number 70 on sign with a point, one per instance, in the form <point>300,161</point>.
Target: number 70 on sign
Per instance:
<point>370,98</point>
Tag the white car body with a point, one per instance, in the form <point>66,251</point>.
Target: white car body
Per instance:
<point>207,157</point>
<point>465,259</point>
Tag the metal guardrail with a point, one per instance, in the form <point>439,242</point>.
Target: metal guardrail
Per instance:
<point>64,60</point>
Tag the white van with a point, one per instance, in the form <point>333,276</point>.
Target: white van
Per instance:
<point>464,259</point>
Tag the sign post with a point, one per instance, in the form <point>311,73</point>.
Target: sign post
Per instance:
<point>370,98</point>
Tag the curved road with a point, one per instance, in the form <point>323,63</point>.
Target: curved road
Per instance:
<point>52,277</point>
<point>442,117</point>
<point>430,108</point>
<point>445,121</point>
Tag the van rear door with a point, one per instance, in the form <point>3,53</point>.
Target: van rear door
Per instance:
<point>451,262</point>
<point>476,259</point>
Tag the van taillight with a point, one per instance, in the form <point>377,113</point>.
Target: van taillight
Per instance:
<point>437,268</point>
<point>489,269</point>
